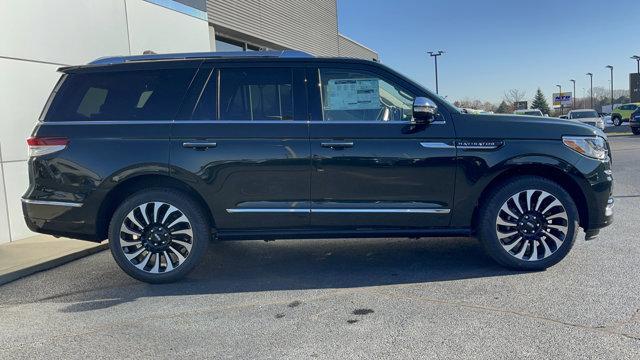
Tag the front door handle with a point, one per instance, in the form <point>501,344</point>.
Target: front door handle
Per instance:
<point>337,144</point>
<point>199,145</point>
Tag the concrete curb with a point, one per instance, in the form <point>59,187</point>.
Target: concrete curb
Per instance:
<point>46,264</point>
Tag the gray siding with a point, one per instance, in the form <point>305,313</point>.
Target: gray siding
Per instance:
<point>350,48</point>
<point>307,25</point>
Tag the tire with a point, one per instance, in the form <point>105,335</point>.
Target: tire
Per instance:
<point>635,130</point>
<point>533,243</point>
<point>166,242</point>
<point>617,121</point>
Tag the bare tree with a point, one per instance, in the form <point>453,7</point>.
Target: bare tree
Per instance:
<point>513,96</point>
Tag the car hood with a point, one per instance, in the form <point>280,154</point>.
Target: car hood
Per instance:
<point>521,127</point>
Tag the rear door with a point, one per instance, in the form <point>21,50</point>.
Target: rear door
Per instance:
<point>242,142</point>
<point>372,166</point>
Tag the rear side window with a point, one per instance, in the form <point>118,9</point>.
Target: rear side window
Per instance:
<point>256,94</point>
<point>119,95</point>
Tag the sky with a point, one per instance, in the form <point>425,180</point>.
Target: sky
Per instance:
<point>495,45</point>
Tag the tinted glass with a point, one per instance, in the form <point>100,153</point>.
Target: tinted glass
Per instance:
<point>362,96</point>
<point>120,95</point>
<point>206,106</point>
<point>583,114</point>
<point>228,45</point>
<point>256,94</point>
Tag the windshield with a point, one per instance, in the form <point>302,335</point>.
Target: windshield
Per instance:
<point>533,113</point>
<point>583,114</point>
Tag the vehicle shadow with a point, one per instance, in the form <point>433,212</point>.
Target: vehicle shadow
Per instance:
<point>256,266</point>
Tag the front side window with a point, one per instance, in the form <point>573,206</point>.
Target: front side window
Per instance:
<point>119,95</point>
<point>256,94</point>
<point>354,95</point>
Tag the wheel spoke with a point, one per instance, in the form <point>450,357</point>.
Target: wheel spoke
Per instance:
<point>143,210</point>
<point>558,227</point>
<point>520,253</point>
<point>132,218</point>
<point>134,254</point>
<point>169,266</point>
<point>547,250</point>
<point>502,222</point>
<point>183,231</point>
<point>156,266</point>
<point>529,194</point>
<point>144,261</point>
<point>177,253</point>
<point>506,209</point>
<point>182,243</point>
<point>156,207</point>
<point>534,254</point>
<point>170,211</point>
<point>182,218</point>
<point>516,200</point>
<point>554,203</point>
<point>513,244</point>
<point>129,231</point>
<point>506,235</point>
<point>554,238</point>
<point>542,197</point>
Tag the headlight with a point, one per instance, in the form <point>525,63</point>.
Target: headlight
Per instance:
<point>593,147</point>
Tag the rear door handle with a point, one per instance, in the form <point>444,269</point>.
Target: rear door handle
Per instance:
<point>199,145</point>
<point>337,144</point>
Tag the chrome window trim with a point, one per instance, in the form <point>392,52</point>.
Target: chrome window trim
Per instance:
<point>335,210</point>
<point>164,122</point>
<point>51,203</point>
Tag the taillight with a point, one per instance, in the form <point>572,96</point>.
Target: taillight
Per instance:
<point>46,145</point>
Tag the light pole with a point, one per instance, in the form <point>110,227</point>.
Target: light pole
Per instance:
<point>434,55</point>
<point>591,91</point>
<point>637,59</point>
<point>561,106</point>
<point>611,68</point>
<point>574,94</point>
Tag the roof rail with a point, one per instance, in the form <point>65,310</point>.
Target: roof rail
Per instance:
<point>202,55</point>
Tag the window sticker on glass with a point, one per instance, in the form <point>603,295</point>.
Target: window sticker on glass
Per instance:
<point>353,94</point>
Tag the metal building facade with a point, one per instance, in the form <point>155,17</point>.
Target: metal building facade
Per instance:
<point>307,25</point>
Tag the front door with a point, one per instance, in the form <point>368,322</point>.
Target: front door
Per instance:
<point>243,144</point>
<point>372,167</point>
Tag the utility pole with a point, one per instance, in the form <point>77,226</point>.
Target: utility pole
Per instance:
<point>434,55</point>
<point>574,94</point>
<point>591,91</point>
<point>561,105</point>
<point>611,68</point>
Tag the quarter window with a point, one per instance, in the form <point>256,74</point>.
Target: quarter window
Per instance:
<point>256,94</point>
<point>349,95</point>
<point>119,95</point>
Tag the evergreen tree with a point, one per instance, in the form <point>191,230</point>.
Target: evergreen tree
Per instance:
<point>540,103</point>
<point>503,108</point>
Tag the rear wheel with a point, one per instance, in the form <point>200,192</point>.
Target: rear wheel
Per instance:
<point>529,223</point>
<point>635,130</point>
<point>158,235</point>
<point>617,120</point>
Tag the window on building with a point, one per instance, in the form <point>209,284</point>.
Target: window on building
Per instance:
<point>119,95</point>
<point>256,94</point>
<point>362,96</point>
<point>224,45</point>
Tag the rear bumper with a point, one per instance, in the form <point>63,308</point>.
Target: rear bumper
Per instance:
<point>55,218</point>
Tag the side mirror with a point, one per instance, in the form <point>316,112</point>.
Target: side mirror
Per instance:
<point>424,110</point>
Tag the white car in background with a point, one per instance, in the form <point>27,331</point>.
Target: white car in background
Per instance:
<point>530,112</point>
<point>587,116</point>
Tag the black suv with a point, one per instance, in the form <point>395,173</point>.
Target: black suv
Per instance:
<point>162,153</point>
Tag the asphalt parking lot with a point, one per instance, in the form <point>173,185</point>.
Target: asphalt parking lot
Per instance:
<point>347,299</point>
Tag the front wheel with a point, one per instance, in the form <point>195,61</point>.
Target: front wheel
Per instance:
<point>635,130</point>
<point>158,235</point>
<point>529,223</point>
